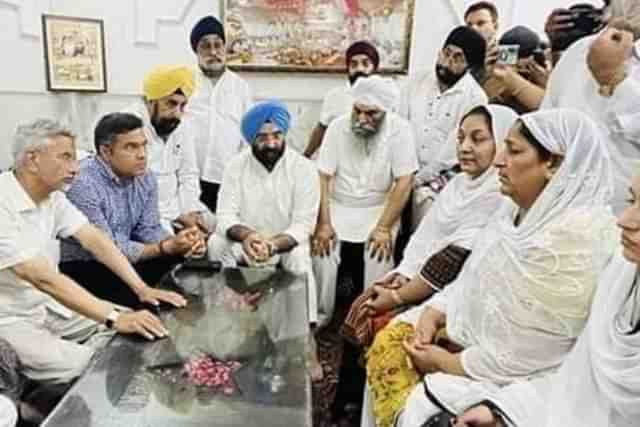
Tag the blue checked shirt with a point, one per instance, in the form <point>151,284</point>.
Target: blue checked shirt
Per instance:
<point>126,209</point>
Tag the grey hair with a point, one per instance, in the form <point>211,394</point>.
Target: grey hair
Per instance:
<point>36,134</point>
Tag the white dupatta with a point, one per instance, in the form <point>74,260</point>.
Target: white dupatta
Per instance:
<point>463,208</point>
<point>523,296</point>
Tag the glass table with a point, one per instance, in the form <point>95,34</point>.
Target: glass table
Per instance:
<point>260,350</point>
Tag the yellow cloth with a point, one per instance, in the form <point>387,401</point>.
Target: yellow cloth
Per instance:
<point>390,376</point>
<point>166,79</point>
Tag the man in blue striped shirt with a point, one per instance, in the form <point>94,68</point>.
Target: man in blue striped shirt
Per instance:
<point>119,195</point>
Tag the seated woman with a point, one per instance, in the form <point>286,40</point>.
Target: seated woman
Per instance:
<point>446,233</point>
<point>601,373</point>
<point>523,296</point>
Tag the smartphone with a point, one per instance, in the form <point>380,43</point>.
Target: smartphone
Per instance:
<point>508,54</point>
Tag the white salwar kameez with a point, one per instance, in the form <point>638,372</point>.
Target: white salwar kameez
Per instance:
<point>215,110</point>
<point>283,201</point>
<point>524,294</point>
<point>599,382</point>
<point>364,174</point>
<point>463,208</point>
<point>572,85</point>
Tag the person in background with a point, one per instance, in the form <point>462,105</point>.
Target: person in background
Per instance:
<point>520,86</point>
<point>45,315</point>
<point>119,196</point>
<point>600,76</point>
<point>170,151</point>
<point>483,17</point>
<point>220,100</point>
<point>434,102</point>
<point>362,61</point>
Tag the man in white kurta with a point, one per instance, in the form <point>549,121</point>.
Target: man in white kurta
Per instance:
<point>216,108</point>
<point>600,76</point>
<point>369,159</point>
<point>170,150</point>
<point>362,60</point>
<point>435,101</point>
<point>268,201</point>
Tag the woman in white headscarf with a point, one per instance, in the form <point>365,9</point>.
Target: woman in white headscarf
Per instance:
<point>523,296</point>
<point>599,382</point>
<point>460,212</point>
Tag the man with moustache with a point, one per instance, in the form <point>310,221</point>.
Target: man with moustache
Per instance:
<point>435,101</point>
<point>268,201</point>
<point>220,99</point>
<point>362,61</point>
<point>45,315</point>
<point>118,195</point>
<point>171,154</point>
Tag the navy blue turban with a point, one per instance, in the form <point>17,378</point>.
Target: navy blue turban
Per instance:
<point>204,27</point>
<point>272,111</point>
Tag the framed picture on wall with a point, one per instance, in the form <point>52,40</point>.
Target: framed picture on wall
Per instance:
<point>74,54</point>
<point>313,35</point>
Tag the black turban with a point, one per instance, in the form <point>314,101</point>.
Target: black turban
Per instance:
<point>363,48</point>
<point>528,40</point>
<point>205,26</point>
<point>472,44</point>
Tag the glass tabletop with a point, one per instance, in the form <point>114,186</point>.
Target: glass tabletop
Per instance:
<point>228,361</point>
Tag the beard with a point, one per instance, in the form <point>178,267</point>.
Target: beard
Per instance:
<point>164,127</point>
<point>355,76</point>
<point>446,76</point>
<point>364,130</point>
<point>268,156</point>
<point>213,69</point>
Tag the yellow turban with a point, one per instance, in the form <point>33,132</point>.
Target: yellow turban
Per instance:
<point>165,80</point>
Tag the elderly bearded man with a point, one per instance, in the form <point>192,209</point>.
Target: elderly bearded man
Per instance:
<point>216,108</point>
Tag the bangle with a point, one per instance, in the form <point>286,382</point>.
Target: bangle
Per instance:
<point>395,296</point>
<point>163,251</point>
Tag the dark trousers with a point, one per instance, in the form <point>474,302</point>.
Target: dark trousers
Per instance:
<point>352,376</point>
<point>209,194</point>
<point>104,284</point>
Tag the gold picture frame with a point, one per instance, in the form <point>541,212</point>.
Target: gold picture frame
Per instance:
<point>74,54</point>
<point>313,35</point>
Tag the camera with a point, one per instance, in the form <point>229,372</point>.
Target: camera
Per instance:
<point>586,20</point>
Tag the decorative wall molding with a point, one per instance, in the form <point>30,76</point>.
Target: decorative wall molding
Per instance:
<point>149,14</point>
<point>29,12</point>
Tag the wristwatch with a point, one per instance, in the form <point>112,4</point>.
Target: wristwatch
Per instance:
<point>112,318</point>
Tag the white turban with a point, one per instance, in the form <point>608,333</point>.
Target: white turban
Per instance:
<point>377,91</point>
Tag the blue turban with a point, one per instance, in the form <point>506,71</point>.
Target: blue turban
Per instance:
<point>205,26</point>
<point>273,111</point>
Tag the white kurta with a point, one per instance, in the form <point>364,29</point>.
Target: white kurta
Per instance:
<point>337,102</point>
<point>435,117</point>
<point>572,86</point>
<point>283,201</point>
<point>216,110</point>
<point>173,162</point>
<point>364,172</point>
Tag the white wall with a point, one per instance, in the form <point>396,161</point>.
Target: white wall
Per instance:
<point>144,33</point>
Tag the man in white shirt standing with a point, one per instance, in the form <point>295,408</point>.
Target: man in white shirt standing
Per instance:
<point>435,101</point>
<point>366,169</point>
<point>362,60</point>
<point>45,316</point>
<point>600,76</point>
<point>170,149</point>
<point>216,108</point>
